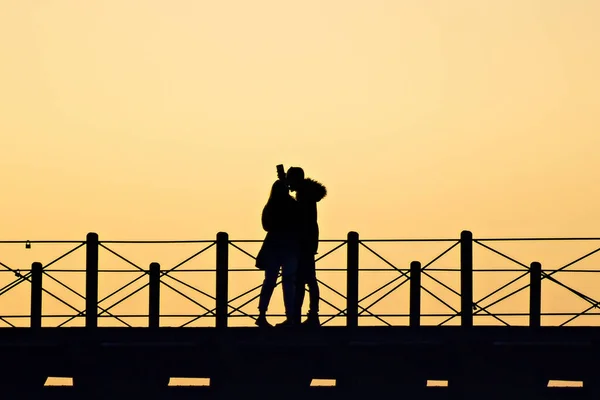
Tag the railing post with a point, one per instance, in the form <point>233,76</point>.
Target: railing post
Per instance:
<point>36,295</point>
<point>535,294</point>
<point>222,297</point>
<point>154,300</point>
<point>466,279</point>
<point>415,294</point>
<point>91,280</point>
<point>352,280</point>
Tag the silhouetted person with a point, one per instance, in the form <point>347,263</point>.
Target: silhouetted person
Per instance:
<point>280,218</point>
<point>308,193</point>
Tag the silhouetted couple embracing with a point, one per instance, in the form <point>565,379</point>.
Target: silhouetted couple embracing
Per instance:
<point>290,245</point>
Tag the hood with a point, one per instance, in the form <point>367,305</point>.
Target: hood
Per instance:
<point>313,190</point>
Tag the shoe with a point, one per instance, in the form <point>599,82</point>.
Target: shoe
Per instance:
<point>312,321</point>
<point>286,324</point>
<point>262,322</point>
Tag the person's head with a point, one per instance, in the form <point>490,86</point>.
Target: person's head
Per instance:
<point>294,177</point>
<point>279,191</point>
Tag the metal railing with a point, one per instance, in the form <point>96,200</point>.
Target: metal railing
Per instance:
<point>450,292</point>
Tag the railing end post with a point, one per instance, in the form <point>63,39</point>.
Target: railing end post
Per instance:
<point>36,294</point>
<point>352,280</point>
<point>222,278</point>
<point>415,294</point>
<point>154,296</point>
<point>535,295</point>
<point>466,279</point>
<point>91,280</point>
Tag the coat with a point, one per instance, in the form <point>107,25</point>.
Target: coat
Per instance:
<point>308,195</point>
<point>281,221</point>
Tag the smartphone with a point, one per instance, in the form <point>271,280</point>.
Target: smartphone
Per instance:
<point>280,172</point>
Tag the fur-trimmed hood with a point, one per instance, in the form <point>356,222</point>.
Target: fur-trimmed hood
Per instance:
<point>312,191</point>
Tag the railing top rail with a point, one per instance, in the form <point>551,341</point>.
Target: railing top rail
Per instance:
<point>156,241</point>
<point>40,241</point>
<point>260,240</point>
<point>482,239</point>
<point>409,240</point>
<point>537,239</point>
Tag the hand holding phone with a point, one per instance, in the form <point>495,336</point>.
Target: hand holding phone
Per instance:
<point>280,172</point>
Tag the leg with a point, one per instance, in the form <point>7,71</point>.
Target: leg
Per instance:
<point>289,271</point>
<point>266,291</point>
<point>310,278</point>
<point>313,286</point>
<point>299,295</point>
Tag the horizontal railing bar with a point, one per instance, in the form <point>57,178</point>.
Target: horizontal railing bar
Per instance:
<point>544,270</point>
<point>509,270</point>
<point>146,316</point>
<point>520,239</point>
<point>588,314</point>
<point>41,241</point>
<point>254,269</point>
<point>12,272</point>
<point>261,240</point>
<point>100,270</point>
<point>250,269</point>
<point>408,240</point>
<point>156,241</point>
<point>443,315</point>
<point>258,270</point>
<point>535,239</point>
<point>204,270</point>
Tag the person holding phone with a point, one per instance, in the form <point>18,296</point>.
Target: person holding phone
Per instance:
<point>280,219</point>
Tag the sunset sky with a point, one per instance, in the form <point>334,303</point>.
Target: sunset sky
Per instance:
<point>165,119</point>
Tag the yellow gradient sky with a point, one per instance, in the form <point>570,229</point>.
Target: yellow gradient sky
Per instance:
<point>165,119</point>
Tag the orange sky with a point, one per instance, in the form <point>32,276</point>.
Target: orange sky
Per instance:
<point>162,120</point>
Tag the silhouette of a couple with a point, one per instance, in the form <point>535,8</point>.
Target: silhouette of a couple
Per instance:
<point>290,245</point>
